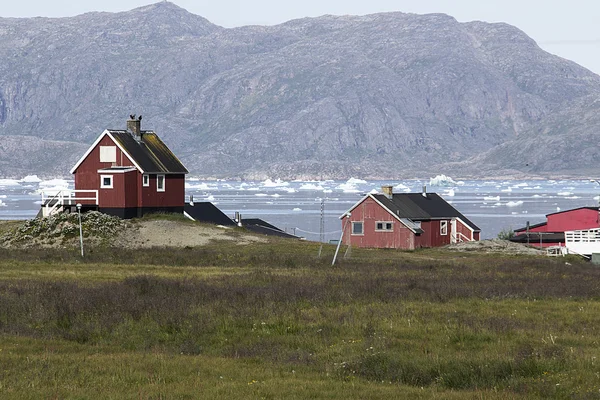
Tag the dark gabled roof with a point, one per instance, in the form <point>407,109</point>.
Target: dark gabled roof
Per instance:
<point>417,207</point>
<point>150,153</point>
<point>534,237</point>
<point>208,212</point>
<point>531,227</point>
<point>258,225</point>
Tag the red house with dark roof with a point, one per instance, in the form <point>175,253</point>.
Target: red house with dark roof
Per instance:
<point>405,221</point>
<point>552,231</point>
<point>132,172</point>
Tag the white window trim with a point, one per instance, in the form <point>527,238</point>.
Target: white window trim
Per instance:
<point>158,189</point>
<point>145,180</point>
<point>362,233</point>
<point>444,228</point>
<point>102,185</point>
<point>384,226</point>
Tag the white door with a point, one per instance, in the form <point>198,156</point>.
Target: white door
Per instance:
<point>453,231</point>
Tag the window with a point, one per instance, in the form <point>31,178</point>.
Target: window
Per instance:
<point>160,183</point>
<point>145,180</point>
<point>106,181</point>
<point>383,226</point>
<point>443,228</point>
<point>357,228</point>
<point>108,154</point>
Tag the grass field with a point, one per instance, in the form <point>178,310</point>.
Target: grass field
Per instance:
<point>273,321</point>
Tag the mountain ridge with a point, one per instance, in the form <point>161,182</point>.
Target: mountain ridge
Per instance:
<point>381,95</point>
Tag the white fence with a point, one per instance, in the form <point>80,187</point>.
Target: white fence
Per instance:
<point>583,242</point>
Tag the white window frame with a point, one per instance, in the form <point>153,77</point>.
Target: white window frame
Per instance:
<point>443,228</point>
<point>102,185</point>
<point>362,228</point>
<point>108,154</point>
<point>145,180</point>
<point>164,181</point>
<point>384,226</point>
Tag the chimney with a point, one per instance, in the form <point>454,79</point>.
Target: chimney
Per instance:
<point>388,190</point>
<point>424,191</point>
<point>134,125</point>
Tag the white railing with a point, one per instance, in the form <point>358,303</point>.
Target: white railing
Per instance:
<point>460,237</point>
<point>53,202</point>
<point>583,242</point>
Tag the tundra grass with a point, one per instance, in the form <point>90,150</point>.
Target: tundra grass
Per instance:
<point>274,321</point>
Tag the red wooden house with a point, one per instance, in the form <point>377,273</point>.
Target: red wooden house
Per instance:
<point>133,173</point>
<point>405,221</point>
<point>552,231</point>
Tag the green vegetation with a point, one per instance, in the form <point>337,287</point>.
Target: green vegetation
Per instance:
<point>506,234</point>
<point>272,321</point>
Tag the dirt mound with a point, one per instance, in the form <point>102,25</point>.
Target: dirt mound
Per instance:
<point>495,246</point>
<point>62,230</point>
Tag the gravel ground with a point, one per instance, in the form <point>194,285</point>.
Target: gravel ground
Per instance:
<point>161,233</point>
<point>495,246</point>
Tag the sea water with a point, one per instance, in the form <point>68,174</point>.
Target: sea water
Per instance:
<point>295,206</point>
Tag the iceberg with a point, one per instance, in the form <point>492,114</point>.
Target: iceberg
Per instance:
<point>442,180</point>
<point>31,179</point>
<point>297,209</point>
<point>354,181</point>
<point>564,193</point>
<point>261,194</point>
<point>2,204</point>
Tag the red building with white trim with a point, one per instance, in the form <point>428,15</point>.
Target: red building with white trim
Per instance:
<point>405,221</point>
<point>133,172</point>
<point>552,231</point>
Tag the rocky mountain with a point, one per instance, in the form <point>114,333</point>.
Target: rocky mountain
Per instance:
<point>384,95</point>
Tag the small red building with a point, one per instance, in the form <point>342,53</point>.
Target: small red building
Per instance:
<point>133,172</point>
<point>552,231</point>
<point>405,221</point>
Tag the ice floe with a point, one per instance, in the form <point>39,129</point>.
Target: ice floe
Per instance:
<point>311,186</point>
<point>492,198</point>
<point>276,183</point>
<point>9,183</point>
<point>297,209</point>
<point>514,203</point>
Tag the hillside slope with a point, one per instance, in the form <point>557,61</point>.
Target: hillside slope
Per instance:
<point>373,96</point>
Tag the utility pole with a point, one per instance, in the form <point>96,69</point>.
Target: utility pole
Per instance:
<point>80,229</point>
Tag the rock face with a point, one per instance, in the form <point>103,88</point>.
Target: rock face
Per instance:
<point>384,95</point>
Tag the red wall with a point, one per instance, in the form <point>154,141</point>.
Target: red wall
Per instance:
<point>573,220</point>
<point>127,188</point>
<point>122,194</point>
<point>369,212</point>
<point>173,196</point>
<point>465,230</point>
<point>87,176</point>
